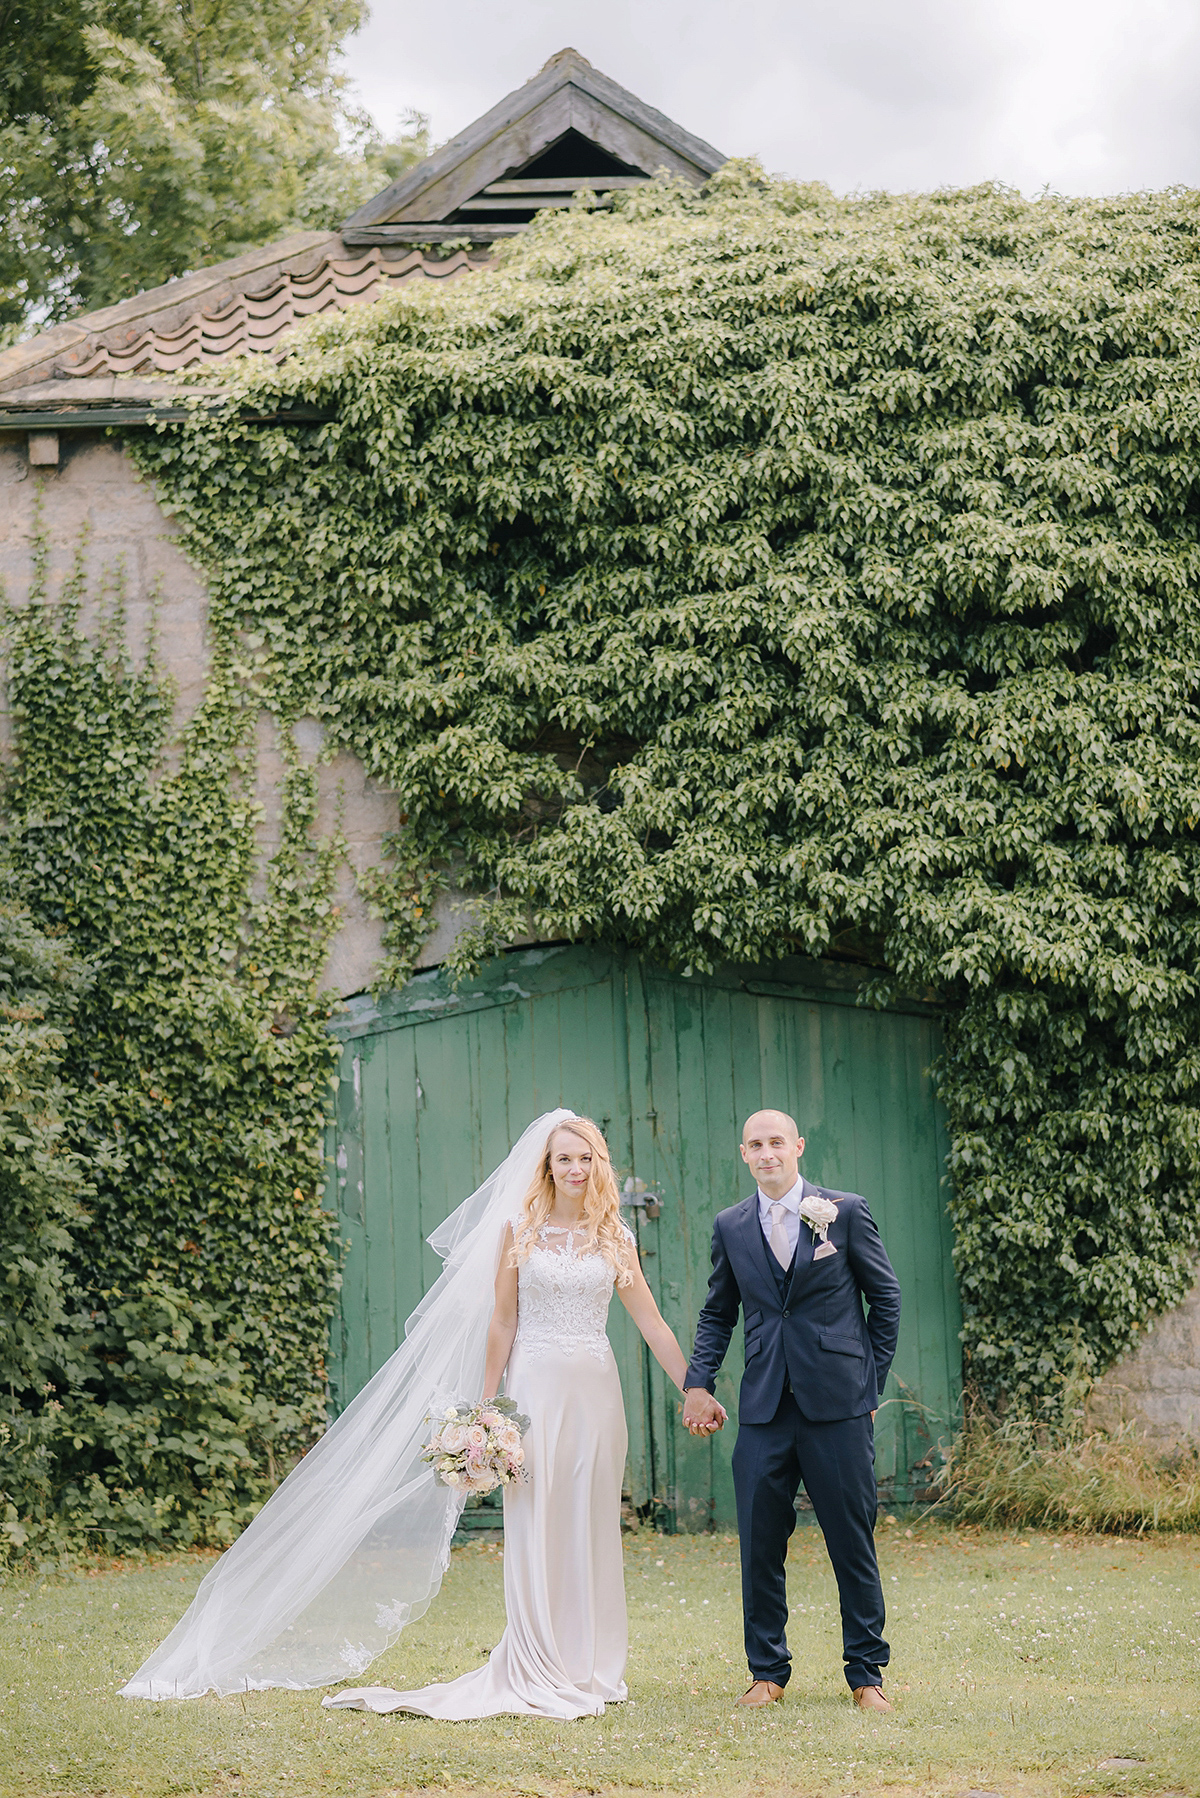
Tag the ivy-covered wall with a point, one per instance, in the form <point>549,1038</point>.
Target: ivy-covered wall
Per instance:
<point>728,575</point>
<point>170,1278</point>
<point>751,571</point>
<point>94,503</point>
<point>142,1413</point>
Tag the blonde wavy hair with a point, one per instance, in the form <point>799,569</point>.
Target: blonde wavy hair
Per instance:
<point>603,1229</point>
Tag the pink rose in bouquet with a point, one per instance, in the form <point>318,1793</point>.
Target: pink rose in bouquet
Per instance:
<point>475,1448</point>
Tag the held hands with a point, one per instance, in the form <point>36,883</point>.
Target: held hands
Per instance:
<point>702,1413</point>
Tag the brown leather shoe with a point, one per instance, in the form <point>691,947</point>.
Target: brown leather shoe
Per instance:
<point>763,1691</point>
<point>871,1698</point>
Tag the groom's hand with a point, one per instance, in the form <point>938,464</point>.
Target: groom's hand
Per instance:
<point>702,1413</point>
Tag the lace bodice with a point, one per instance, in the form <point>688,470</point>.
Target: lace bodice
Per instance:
<point>562,1296</point>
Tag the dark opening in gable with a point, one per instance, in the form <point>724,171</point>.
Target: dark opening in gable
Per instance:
<point>573,154</point>
<point>494,179</point>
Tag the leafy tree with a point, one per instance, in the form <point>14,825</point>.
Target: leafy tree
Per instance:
<point>751,572</point>
<point>143,138</point>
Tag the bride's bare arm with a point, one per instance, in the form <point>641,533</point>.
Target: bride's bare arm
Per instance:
<point>503,1327</point>
<point>638,1300</point>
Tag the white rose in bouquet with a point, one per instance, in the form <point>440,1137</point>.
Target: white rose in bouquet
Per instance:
<point>478,1447</point>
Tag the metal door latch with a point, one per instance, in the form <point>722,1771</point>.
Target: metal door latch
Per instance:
<point>637,1196</point>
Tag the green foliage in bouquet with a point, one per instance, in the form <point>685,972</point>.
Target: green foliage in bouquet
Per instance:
<point>749,571</point>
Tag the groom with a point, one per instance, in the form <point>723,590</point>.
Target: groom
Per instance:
<point>799,1261</point>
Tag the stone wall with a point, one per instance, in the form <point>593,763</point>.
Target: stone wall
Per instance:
<point>93,494</point>
<point>1157,1387</point>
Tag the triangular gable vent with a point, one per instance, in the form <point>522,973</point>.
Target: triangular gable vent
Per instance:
<point>567,129</point>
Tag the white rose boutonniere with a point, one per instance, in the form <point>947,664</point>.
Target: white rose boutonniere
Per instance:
<point>818,1214</point>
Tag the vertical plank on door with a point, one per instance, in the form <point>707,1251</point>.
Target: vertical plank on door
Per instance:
<point>379,1217</point>
<point>632,1357</point>
<point>404,1189</point>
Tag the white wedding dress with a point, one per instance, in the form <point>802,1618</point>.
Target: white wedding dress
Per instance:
<point>351,1548</point>
<point>563,1651</point>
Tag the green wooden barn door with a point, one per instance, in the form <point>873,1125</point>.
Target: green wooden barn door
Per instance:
<point>857,1081</point>
<point>436,1085</point>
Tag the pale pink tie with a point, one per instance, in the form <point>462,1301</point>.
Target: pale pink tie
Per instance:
<point>780,1246</point>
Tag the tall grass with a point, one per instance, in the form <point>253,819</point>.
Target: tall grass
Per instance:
<point>1038,1473</point>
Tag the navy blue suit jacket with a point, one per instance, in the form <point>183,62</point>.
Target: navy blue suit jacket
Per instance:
<point>814,1331</point>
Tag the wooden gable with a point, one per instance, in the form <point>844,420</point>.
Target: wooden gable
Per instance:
<point>569,128</point>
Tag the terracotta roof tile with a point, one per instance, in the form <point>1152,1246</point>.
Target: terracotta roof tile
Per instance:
<point>241,307</point>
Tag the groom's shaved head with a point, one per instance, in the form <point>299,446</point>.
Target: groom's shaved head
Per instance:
<point>762,1123</point>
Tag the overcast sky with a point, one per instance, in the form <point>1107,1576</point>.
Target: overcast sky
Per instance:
<point>1082,96</point>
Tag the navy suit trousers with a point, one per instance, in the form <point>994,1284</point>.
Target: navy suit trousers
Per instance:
<point>836,1462</point>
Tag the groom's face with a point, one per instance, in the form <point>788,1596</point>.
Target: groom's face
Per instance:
<point>771,1148</point>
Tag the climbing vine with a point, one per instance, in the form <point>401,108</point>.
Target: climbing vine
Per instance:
<point>173,1260</point>
<point>750,571</point>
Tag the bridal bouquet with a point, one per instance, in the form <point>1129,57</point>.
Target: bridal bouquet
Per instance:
<point>478,1447</point>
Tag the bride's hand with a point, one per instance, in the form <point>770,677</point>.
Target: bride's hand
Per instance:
<point>702,1413</point>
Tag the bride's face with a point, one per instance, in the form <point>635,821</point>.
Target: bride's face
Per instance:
<point>571,1167</point>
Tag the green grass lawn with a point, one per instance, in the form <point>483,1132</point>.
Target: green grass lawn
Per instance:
<point>1021,1664</point>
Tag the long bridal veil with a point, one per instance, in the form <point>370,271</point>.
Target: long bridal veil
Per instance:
<point>353,1544</point>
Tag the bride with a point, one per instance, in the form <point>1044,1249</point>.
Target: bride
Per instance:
<point>352,1546</point>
